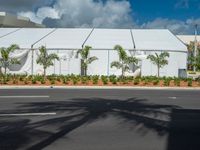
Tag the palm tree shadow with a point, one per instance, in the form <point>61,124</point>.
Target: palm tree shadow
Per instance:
<point>77,112</point>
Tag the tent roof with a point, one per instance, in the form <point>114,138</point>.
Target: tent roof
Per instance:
<point>105,39</point>
<point>24,37</point>
<point>108,38</point>
<point>157,39</point>
<point>5,31</point>
<point>65,38</point>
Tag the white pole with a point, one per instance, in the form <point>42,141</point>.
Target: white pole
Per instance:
<point>108,65</point>
<point>195,46</point>
<point>32,59</point>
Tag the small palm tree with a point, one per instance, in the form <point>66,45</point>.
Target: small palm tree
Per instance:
<point>159,60</point>
<point>192,60</point>
<point>45,59</point>
<point>5,59</point>
<point>124,60</point>
<point>85,59</point>
<point>195,61</point>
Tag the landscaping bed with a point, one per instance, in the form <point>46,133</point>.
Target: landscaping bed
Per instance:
<point>77,80</point>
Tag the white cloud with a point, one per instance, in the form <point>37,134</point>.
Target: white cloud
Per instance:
<point>176,26</point>
<point>182,4</point>
<point>41,14</point>
<point>100,13</point>
<point>84,13</point>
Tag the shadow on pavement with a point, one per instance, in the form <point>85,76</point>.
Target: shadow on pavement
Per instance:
<point>139,113</point>
<point>184,131</point>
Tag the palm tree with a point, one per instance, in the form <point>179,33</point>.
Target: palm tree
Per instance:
<point>124,60</point>
<point>45,59</point>
<point>159,60</point>
<point>5,59</point>
<point>85,59</point>
<point>195,61</point>
<point>192,60</point>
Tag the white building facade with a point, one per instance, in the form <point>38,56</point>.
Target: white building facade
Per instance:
<point>65,42</point>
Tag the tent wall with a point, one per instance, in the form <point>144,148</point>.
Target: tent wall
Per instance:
<point>176,61</point>
<point>68,64</point>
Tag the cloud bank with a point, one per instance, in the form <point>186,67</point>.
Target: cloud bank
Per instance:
<point>103,14</point>
<point>176,26</point>
<point>84,13</point>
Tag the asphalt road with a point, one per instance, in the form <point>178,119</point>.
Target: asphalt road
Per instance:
<point>86,119</point>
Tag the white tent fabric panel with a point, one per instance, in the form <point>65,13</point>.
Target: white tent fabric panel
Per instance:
<point>5,31</point>
<point>108,38</point>
<point>153,39</point>
<point>24,37</point>
<point>65,39</point>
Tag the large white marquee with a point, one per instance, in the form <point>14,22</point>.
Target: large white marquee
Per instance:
<point>65,42</point>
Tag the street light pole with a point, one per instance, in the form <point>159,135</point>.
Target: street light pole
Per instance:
<point>195,45</point>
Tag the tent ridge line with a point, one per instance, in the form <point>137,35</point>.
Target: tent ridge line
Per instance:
<point>87,38</point>
<point>43,37</point>
<point>10,32</point>
<point>176,37</point>
<point>134,45</point>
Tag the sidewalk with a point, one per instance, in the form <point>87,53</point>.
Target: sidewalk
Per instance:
<point>100,87</point>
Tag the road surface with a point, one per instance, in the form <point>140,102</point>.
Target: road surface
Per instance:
<point>86,119</point>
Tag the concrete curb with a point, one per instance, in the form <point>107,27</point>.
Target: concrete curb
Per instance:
<point>100,87</point>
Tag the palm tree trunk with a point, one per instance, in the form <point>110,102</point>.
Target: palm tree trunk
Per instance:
<point>5,71</point>
<point>122,72</point>
<point>85,71</point>
<point>44,72</point>
<point>158,71</point>
<point>0,71</point>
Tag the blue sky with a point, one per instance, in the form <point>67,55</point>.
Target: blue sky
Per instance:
<point>175,15</point>
<point>147,10</point>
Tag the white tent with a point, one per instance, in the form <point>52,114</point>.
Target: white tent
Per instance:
<point>65,42</point>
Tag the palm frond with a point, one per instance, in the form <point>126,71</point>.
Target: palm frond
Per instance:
<point>163,55</point>
<point>132,60</point>
<point>116,64</point>
<point>121,52</point>
<point>14,61</point>
<point>91,59</point>
<point>12,48</point>
<point>78,52</point>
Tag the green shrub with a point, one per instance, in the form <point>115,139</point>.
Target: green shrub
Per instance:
<point>155,82</point>
<point>33,80</point>
<point>15,81</point>
<point>136,81</point>
<point>58,79</point>
<point>177,81</point>
<point>145,81</point>
<point>166,82</point>
<point>75,81</point>
<point>42,81</point>
<point>52,82</point>
<point>95,79</point>
<point>26,81</point>
<point>104,79</point>
<point>84,80</point>
<point>22,77</point>
<point>124,80</point>
<point>189,82</point>
<point>114,81</point>
<point>65,80</point>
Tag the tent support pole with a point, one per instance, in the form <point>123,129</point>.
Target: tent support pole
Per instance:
<point>108,66</point>
<point>32,57</point>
